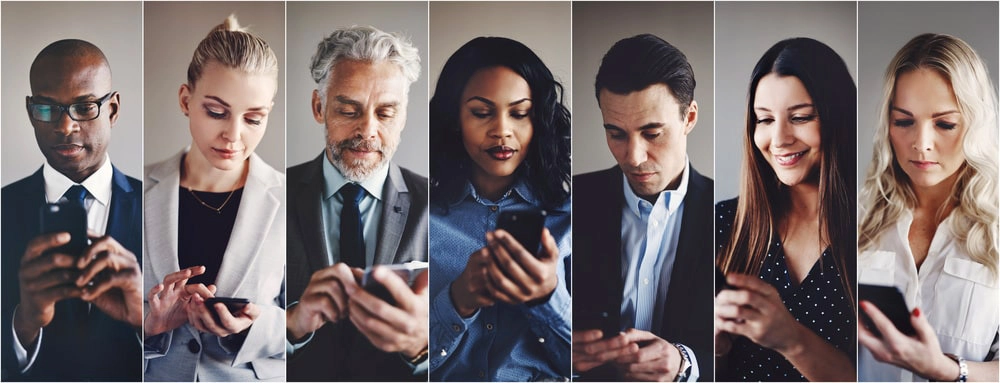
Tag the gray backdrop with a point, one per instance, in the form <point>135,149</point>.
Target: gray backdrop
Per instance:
<point>596,27</point>
<point>311,22</point>
<point>543,26</point>
<point>744,31</point>
<point>885,27</point>
<point>114,27</point>
<point>172,31</point>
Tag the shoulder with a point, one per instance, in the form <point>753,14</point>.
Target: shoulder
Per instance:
<point>167,168</point>
<point>24,185</point>
<point>600,177</point>
<point>306,169</point>
<point>416,183</point>
<point>725,214</point>
<point>699,182</point>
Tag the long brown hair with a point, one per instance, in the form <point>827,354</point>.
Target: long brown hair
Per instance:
<point>763,198</point>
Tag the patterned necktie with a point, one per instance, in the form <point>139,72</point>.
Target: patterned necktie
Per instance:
<point>352,239</point>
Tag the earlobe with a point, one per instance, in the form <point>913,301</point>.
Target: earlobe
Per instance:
<point>692,117</point>
<point>115,105</point>
<point>183,97</point>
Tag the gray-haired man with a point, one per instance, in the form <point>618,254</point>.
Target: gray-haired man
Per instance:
<point>352,208</point>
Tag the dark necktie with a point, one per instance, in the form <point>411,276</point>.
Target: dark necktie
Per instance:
<point>77,194</point>
<point>352,239</point>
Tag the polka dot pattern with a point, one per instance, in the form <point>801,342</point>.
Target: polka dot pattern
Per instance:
<point>819,303</point>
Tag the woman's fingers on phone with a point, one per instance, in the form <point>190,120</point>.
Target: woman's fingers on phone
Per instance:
<point>882,323</point>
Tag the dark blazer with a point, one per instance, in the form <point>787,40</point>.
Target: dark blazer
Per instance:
<point>687,315</point>
<point>338,352</point>
<point>76,345</point>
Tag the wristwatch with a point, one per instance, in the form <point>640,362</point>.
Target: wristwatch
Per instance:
<point>963,368</point>
<point>685,370</point>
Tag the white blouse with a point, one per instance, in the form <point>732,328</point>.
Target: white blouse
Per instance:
<point>958,295</point>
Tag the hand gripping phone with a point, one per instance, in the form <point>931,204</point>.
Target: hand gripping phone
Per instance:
<point>233,304</point>
<point>890,301</point>
<point>407,271</point>
<point>66,217</point>
<point>526,227</point>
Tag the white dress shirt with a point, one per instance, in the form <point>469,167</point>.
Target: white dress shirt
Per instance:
<point>958,295</point>
<point>98,205</point>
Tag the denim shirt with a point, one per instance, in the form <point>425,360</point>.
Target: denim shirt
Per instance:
<point>501,342</point>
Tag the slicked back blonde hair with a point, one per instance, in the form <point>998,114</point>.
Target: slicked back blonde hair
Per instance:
<point>233,47</point>
<point>887,190</point>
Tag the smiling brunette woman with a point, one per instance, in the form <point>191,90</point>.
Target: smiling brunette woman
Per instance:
<point>930,222</point>
<point>499,142</point>
<point>787,244</point>
<point>215,225</point>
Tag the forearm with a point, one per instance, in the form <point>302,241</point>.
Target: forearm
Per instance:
<point>983,371</point>
<point>817,359</point>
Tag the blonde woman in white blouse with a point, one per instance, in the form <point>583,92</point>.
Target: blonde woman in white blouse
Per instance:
<point>930,223</point>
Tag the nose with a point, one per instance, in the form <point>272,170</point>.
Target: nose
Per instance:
<point>502,128</point>
<point>368,126</point>
<point>231,133</point>
<point>782,133</point>
<point>923,139</point>
<point>635,153</point>
<point>66,125</point>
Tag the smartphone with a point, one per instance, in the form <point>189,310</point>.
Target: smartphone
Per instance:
<point>890,301</point>
<point>233,304</point>
<point>66,217</point>
<point>407,271</point>
<point>609,326</point>
<point>526,227</point>
<point>720,281</point>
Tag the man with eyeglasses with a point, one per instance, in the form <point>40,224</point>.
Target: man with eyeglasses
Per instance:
<point>72,316</point>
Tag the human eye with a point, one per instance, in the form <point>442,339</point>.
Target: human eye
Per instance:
<point>481,113</point>
<point>802,119</point>
<point>216,112</point>
<point>653,134</point>
<point>83,108</point>
<point>902,122</point>
<point>615,134</point>
<point>520,114</point>
<point>387,113</point>
<point>347,112</point>
<point>765,120</point>
<point>946,125</point>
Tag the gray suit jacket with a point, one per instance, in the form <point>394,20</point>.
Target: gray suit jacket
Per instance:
<point>338,351</point>
<point>252,267</point>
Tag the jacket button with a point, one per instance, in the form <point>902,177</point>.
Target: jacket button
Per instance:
<point>193,346</point>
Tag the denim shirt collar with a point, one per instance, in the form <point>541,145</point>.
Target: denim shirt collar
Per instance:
<point>520,189</point>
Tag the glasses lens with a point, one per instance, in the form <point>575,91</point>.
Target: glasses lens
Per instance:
<point>84,111</point>
<point>42,112</point>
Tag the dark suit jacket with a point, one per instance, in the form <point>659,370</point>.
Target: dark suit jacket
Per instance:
<point>687,315</point>
<point>76,345</point>
<point>338,351</point>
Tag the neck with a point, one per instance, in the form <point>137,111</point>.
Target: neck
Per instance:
<point>491,187</point>
<point>803,201</point>
<point>198,174</point>
<point>935,196</point>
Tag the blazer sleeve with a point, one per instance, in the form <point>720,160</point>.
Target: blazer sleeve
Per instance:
<point>266,338</point>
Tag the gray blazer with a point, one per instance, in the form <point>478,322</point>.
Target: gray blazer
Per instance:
<point>338,352</point>
<point>252,267</point>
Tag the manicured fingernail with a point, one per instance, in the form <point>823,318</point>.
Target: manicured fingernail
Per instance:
<point>916,312</point>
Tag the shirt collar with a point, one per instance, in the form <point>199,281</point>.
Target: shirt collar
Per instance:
<point>335,180</point>
<point>98,184</point>
<point>520,189</point>
<point>673,198</point>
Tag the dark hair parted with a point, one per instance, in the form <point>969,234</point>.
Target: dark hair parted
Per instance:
<point>635,63</point>
<point>547,166</point>
<point>763,199</point>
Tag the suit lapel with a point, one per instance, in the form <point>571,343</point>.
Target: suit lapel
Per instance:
<point>123,210</point>
<point>257,211</point>
<point>308,197</point>
<point>394,213</point>
<point>160,217</point>
<point>687,256</point>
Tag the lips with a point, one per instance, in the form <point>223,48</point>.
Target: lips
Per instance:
<point>789,159</point>
<point>642,177</point>
<point>226,153</point>
<point>923,165</point>
<point>68,150</point>
<point>501,152</point>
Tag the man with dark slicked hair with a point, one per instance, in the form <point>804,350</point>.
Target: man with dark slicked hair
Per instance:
<point>72,316</point>
<point>645,232</point>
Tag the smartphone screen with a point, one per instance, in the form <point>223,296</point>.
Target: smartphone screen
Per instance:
<point>890,301</point>
<point>66,217</point>
<point>526,227</point>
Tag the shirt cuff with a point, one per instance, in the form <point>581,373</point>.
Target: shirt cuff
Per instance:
<point>419,368</point>
<point>291,347</point>
<point>447,327</point>
<point>556,309</point>
<point>24,362</point>
<point>695,372</point>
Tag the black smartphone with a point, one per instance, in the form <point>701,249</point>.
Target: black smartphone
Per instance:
<point>890,301</point>
<point>526,227</point>
<point>233,304</point>
<point>408,271</point>
<point>66,217</point>
<point>609,326</point>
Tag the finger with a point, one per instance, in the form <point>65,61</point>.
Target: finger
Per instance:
<point>183,274</point>
<point>735,312</point>
<point>502,287</point>
<point>44,264</point>
<point>154,292</point>
<point>587,336</point>
<point>868,340</point>
<point>420,285</point>
<point>888,330</point>
<point>752,283</point>
<point>731,326</point>
<point>199,289</point>
<point>206,318</point>
<point>399,289</point>
<point>212,289</point>
<point>51,279</point>
<point>104,244</point>
<point>654,351</point>
<point>58,293</point>
<point>741,297</point>
<point>597,347</point>
<point>114,280</point>
<point>345,277</point>
<point>100,263</point>
<point>332,290</point>
<point>227,322</point>
<point>251,310</point>
<point>375,308</point>
<point>385,333</point>
<point>924,330</point>
<point>38,245</point>
<point>520,264</point>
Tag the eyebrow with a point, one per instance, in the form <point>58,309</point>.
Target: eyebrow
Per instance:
<point>790,108</point>
<point>649,126</point>
<point>90,97</point>
<point>935,115</point>
<point>345,100</point>
<point>226,104</point>
<point>490,102</point>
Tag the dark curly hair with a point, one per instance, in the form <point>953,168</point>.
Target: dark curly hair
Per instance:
<point>547,166</point>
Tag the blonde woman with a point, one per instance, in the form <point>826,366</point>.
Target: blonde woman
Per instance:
<point>929,225</point>
<point>215,225</point>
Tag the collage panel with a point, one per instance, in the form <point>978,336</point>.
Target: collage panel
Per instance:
<point>500,182</point>
<point>358,84</point>
<point>71,159</point>
<point>642,194</point>
<point>927,165</point>
<point>214,192</point>
<point>785,211</point>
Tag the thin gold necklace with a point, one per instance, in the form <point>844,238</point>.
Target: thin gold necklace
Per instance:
<point>218,210</point>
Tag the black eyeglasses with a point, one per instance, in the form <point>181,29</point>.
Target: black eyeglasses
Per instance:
<point>81,111</point>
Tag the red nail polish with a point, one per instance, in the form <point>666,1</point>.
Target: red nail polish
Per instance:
<point>916,312</point>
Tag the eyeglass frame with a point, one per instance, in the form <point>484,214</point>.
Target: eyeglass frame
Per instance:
<point>64,108</point>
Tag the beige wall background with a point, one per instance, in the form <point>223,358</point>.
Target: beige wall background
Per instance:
<point>313,21</point>
<point>172,31</point>
<point>542,26</point>
<point>599,25</point>
<point>27,27</point>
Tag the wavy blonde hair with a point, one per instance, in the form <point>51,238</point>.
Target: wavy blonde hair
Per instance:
<point>887,190</point>
<point>234,47</point>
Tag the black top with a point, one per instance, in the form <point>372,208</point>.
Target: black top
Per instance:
<point>203,234</point>
<point>819,303</point>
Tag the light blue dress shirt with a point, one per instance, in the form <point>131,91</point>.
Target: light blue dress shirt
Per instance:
<point>501,342</point>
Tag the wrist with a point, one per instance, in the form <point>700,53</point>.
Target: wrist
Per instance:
<point>295,332</point>
<point>26,329</point>
<point>456,300</point>
<point>795,347</point>
<point>944,368</point>
<point>414,352</point>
